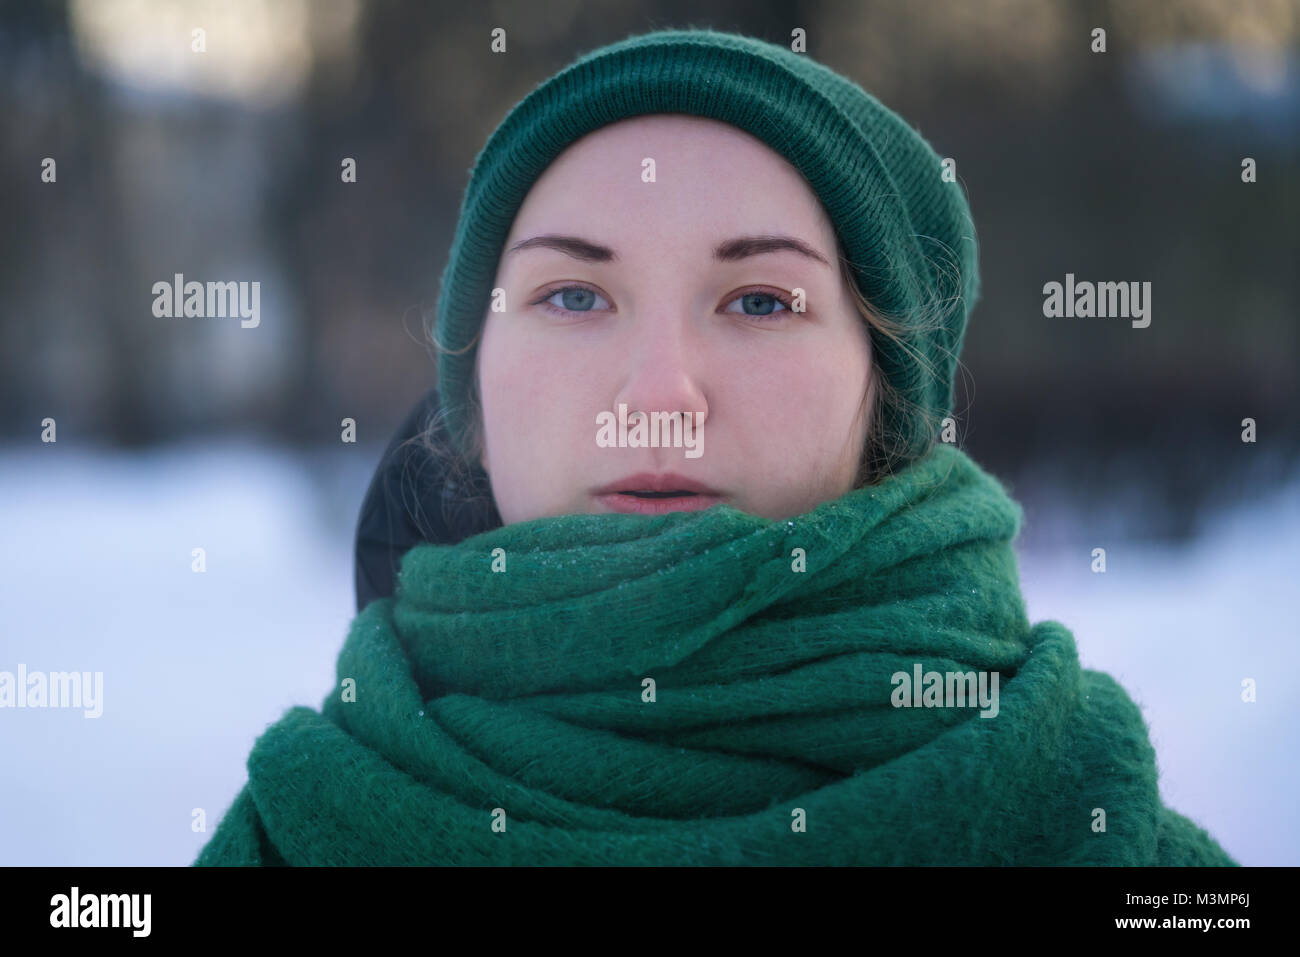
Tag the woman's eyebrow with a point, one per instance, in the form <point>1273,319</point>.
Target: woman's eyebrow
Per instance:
<point>731,250</point>
<point>743,246</point>
<point>569,245</point>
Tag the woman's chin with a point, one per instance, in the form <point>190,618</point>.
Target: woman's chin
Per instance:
<point>631,504</point>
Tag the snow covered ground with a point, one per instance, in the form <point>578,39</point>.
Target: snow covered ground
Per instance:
<point>1180,630</point>
<point>95,575</point>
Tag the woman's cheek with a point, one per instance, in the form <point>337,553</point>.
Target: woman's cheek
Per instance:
<point>514,377</point>
<point>795,392</point>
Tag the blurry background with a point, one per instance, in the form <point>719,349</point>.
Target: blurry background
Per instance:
<point>225,165</point>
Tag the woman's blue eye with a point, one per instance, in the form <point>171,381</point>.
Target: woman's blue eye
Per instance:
<point>760,304</point>
<point>573,299</point>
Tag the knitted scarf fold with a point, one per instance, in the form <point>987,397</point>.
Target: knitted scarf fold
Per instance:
<point>715,688</point>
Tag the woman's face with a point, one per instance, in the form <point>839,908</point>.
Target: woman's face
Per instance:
<point>638,285</point>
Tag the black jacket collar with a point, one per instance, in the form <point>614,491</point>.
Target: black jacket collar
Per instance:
<point>410,501</point>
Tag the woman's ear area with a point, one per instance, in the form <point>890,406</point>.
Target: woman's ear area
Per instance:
<point>476,398</point>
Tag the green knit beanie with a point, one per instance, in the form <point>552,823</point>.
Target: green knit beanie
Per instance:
<point>904,226</point>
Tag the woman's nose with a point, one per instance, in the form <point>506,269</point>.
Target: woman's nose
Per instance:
<point>663,367</point>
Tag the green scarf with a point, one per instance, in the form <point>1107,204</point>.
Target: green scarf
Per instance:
<point>716,688</point>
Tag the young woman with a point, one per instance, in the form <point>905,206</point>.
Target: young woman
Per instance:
<point>691,575</point>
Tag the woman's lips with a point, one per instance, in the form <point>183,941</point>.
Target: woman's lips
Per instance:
<point>648,493</point>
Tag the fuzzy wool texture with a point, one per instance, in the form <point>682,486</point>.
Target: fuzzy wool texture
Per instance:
<point>522,690</point>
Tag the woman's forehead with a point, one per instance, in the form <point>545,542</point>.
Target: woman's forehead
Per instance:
<point>697,179</point>
<point>673,141</point>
